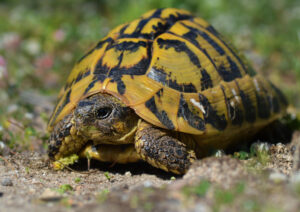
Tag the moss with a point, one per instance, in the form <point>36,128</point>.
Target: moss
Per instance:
<point>66,202</point>
<point>27,170</point>
<point>200,189</point>
<point>102,196</point>
<point>241,155</point>
<point>64,188</point>
<point>261,152</point>
<point>250,205</point>
<point>77,180</point>
<point>227,196</point>
<point>148,206</point>
<point>108,177</point>
<point>134,201</point>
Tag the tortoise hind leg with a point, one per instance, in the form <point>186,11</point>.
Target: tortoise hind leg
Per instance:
<point>160,150</point>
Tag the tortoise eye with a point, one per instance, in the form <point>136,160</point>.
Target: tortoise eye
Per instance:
<point>103,113</point>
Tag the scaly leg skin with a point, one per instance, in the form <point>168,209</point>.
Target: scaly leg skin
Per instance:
<point>160,150</point>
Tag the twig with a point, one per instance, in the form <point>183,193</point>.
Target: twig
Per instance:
<point>16,124</point>
<point>73,170</point>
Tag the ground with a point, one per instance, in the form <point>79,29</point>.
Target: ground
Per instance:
<point>222,183</point>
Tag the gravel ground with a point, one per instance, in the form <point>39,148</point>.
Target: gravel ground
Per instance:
<point>27,182</point>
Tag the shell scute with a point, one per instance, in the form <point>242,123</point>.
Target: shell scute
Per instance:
<point>177,72</point>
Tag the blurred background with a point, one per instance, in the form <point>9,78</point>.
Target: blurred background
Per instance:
<point>41,40</point>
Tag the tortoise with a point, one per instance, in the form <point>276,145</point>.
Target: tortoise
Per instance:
<point>166,89</point>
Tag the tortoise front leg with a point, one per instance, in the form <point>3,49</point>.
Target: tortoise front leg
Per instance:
<point>156,147</point>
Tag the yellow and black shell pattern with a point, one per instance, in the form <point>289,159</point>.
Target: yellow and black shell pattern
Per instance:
<point>177,72</point>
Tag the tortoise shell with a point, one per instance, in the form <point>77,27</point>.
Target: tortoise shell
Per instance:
<point>177,72</point>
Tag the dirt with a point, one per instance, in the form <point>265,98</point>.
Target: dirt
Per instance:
<point>28,183</point>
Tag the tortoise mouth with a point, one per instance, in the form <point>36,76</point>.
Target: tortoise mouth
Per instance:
<point>66,146</point>
<point>65,139</point>
<point>57,139</point>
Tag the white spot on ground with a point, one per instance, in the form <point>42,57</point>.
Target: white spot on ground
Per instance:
<point>198,105</point>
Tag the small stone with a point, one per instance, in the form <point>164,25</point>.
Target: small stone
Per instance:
<point>31,191</point>
<point>32,47</point>
<point>1,194</point>
<point>2,145</point>
<point>220,153</point>
<point>124,198</point>
<point>28,116</point>
<point>201,207</point>
<point>128,174</point>
<point>12,108</point>
<point>277,177</point>
<point>7,182</point>
<point>148,183</point>
<point>50,195</point>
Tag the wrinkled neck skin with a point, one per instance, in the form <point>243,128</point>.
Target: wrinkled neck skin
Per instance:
<point>103,118</point>
<point>99,119</point>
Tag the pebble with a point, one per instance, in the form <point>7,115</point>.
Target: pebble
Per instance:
<point>124,198</point>
<point>201,207</point>
<point>2,145</point>
<point>28,116</point>
<point>12,108</point>
<point>128,174</point>
<point>6,182</point>
<point>32,191</point>
<point>220,153</point>
<point>277,177</point>
<point>32,47</point>
<point>148,183</point>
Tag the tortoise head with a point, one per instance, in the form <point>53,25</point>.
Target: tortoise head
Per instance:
<point>100,119</point>
<point>103,118</point>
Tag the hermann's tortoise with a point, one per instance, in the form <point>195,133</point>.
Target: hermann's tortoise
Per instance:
<point>165,88</point>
